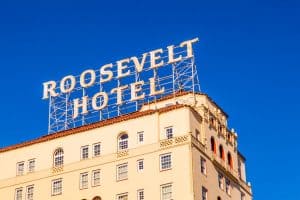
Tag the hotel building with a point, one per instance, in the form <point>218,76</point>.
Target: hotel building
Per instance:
<point>176,148</point>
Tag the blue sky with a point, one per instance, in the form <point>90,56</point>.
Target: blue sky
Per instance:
<point>248,62</point>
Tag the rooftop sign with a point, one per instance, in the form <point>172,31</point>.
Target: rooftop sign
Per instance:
<point>118,87</point>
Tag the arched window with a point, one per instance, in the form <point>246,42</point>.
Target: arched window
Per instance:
<point>97,198</point>
<point>123,141</point>
<point>219,198</point>
<point>58,157</point>
<point>221,152</point>
<point>229,160</point>
<point>213,144</point>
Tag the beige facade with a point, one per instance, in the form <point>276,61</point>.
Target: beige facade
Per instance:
<point>163,151</point>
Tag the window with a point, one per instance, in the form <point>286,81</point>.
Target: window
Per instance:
<point>219,198</point>
<point>243,196</point>
<point>18,194</point>
<point>166,192</point>
<point>221,152</point>
<point>140,165</point>
<point>58,157</point>
<point>169,132</point>
<point>213,145</point>
<point>84,183</point>
<point>20,168</point>
<point>228,187</point>
<point>229,160</point>
<point>29,192</point>
<point>122,171</point>
<point>204,193</point>
<point>31,165</point>
<point>198,135</point>
<point>84,152</point>
<point>123,142</point>
<point>97,198</point>
<point>140,194</point>
<point>203,165</point>
<point>165,161</point>
<point>123,196</point>
<point>140,137</point>
<point>97,149</point>
<point>96,178</point>
<point>220,181</point>
<point>56,187</point>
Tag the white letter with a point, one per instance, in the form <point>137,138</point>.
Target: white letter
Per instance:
<point>154,56</point>
<point>78,105</point>
<point>189,48</point>
<point>139,66</point>
<point>108,73</point>
<point>119,93</point>
<point>92,79</point>
<point>103,101</point>
<point>70,85</point>
<point>49,88</point>
<point>171,55</point>
<point>153,90</point>
<point>135,88</point>
<point>121,67</point>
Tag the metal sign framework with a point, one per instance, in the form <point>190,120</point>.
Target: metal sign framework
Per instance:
<point>180,76</point>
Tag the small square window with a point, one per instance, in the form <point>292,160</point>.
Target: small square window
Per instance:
<point>165,161</point>
<point>169,132</point>
<point>97,149</point>
<point>84,152</point>
<point>140,165</point>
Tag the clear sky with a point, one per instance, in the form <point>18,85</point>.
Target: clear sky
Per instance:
<point>247,59</point>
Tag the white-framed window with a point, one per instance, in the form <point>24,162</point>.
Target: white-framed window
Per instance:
<point>140,137</point>
<point>19,194</point>
<point>221,181</point>
<point>123,142</point>
<point>29,192</point>
<point>31,165</point>
<point>166,191</point>
<point>56,188</point>
<point>20,168</point>
<point>122,171</point>
<point>96,149</point>
<point>84,151</point>
<point>140,165</point>
<point>203,165</point>
<point>140,194</point>
<point>228,186</point>
<point>84,180</point>
<point>169,132</point>
<point>165,161</point>
<point>123,196</point>
<point>58,157</point>
<point>204,193</point>
<point>96,177</point>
